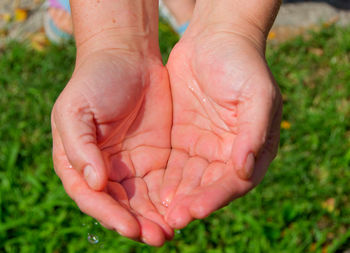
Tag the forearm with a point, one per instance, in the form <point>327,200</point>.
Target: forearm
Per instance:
<point>247,16</point>
<point>109,24</point>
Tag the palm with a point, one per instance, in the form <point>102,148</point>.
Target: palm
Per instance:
<point>218,88</point>
<point>128,116</point>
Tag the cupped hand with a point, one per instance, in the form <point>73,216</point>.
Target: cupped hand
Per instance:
<point>111,141</point>
<point>226,119</point>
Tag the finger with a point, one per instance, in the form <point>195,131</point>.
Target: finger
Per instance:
<point>205,200</point>
<point>217,195</point>
<point>77,130</point>
<point>154,182</point>
<point>270,148</point>
<point>213,173</point>
<point>192,175</point>
<point>254,120</point>
<point>99,205</point>
<point>178,215</point>
<point>151,233</point>
<point>172,175</point>
<point>137,191</point>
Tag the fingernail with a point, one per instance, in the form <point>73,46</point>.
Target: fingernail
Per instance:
<point>90,176</point>
<point>247,171</point>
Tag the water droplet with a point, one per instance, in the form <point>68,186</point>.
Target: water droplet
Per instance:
<point>93,239</point>
<point>178,232</point>
<point>96,223</point>
<point>70,167</point>
<point>204,100</point>
<point>165,203</point>
<point>191,88</point>
<point>83,224</point>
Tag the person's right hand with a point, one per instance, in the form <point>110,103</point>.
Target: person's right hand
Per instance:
<point>111,141</point>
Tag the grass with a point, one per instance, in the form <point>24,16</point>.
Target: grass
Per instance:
<point>302,205</point>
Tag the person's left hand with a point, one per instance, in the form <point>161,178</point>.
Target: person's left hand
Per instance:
<point>226,120</point>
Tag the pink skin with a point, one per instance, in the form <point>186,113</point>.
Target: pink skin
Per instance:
<point>182,11</point>
<point>157,161</point>
<point>115,115</point>
<point>226,121</point>
<point>111,124</point>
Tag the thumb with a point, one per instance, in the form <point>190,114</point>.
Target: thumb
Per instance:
<point>77,129</point>
<point>255,117</point>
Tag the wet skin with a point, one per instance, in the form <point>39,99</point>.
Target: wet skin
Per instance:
<point>168,145</point>
<point>226,121</point>
<point>226,114</point>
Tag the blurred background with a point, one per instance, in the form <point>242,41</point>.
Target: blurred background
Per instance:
<point>303,203</point>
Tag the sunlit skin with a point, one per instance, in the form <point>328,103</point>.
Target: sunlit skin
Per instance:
<point>226,121</point>
<point>167,144</point>
<point>111,124</point>
<point>115,115</point>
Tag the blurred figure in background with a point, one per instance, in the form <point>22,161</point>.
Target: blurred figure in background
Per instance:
<point>178,13</point>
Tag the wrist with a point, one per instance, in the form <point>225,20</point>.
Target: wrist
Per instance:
<point>236,29</point>
<point>119,41</point>
<point>126,25</point>
<point>251,19</point>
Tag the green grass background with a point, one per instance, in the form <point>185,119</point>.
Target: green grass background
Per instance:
<point>287,212</point>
